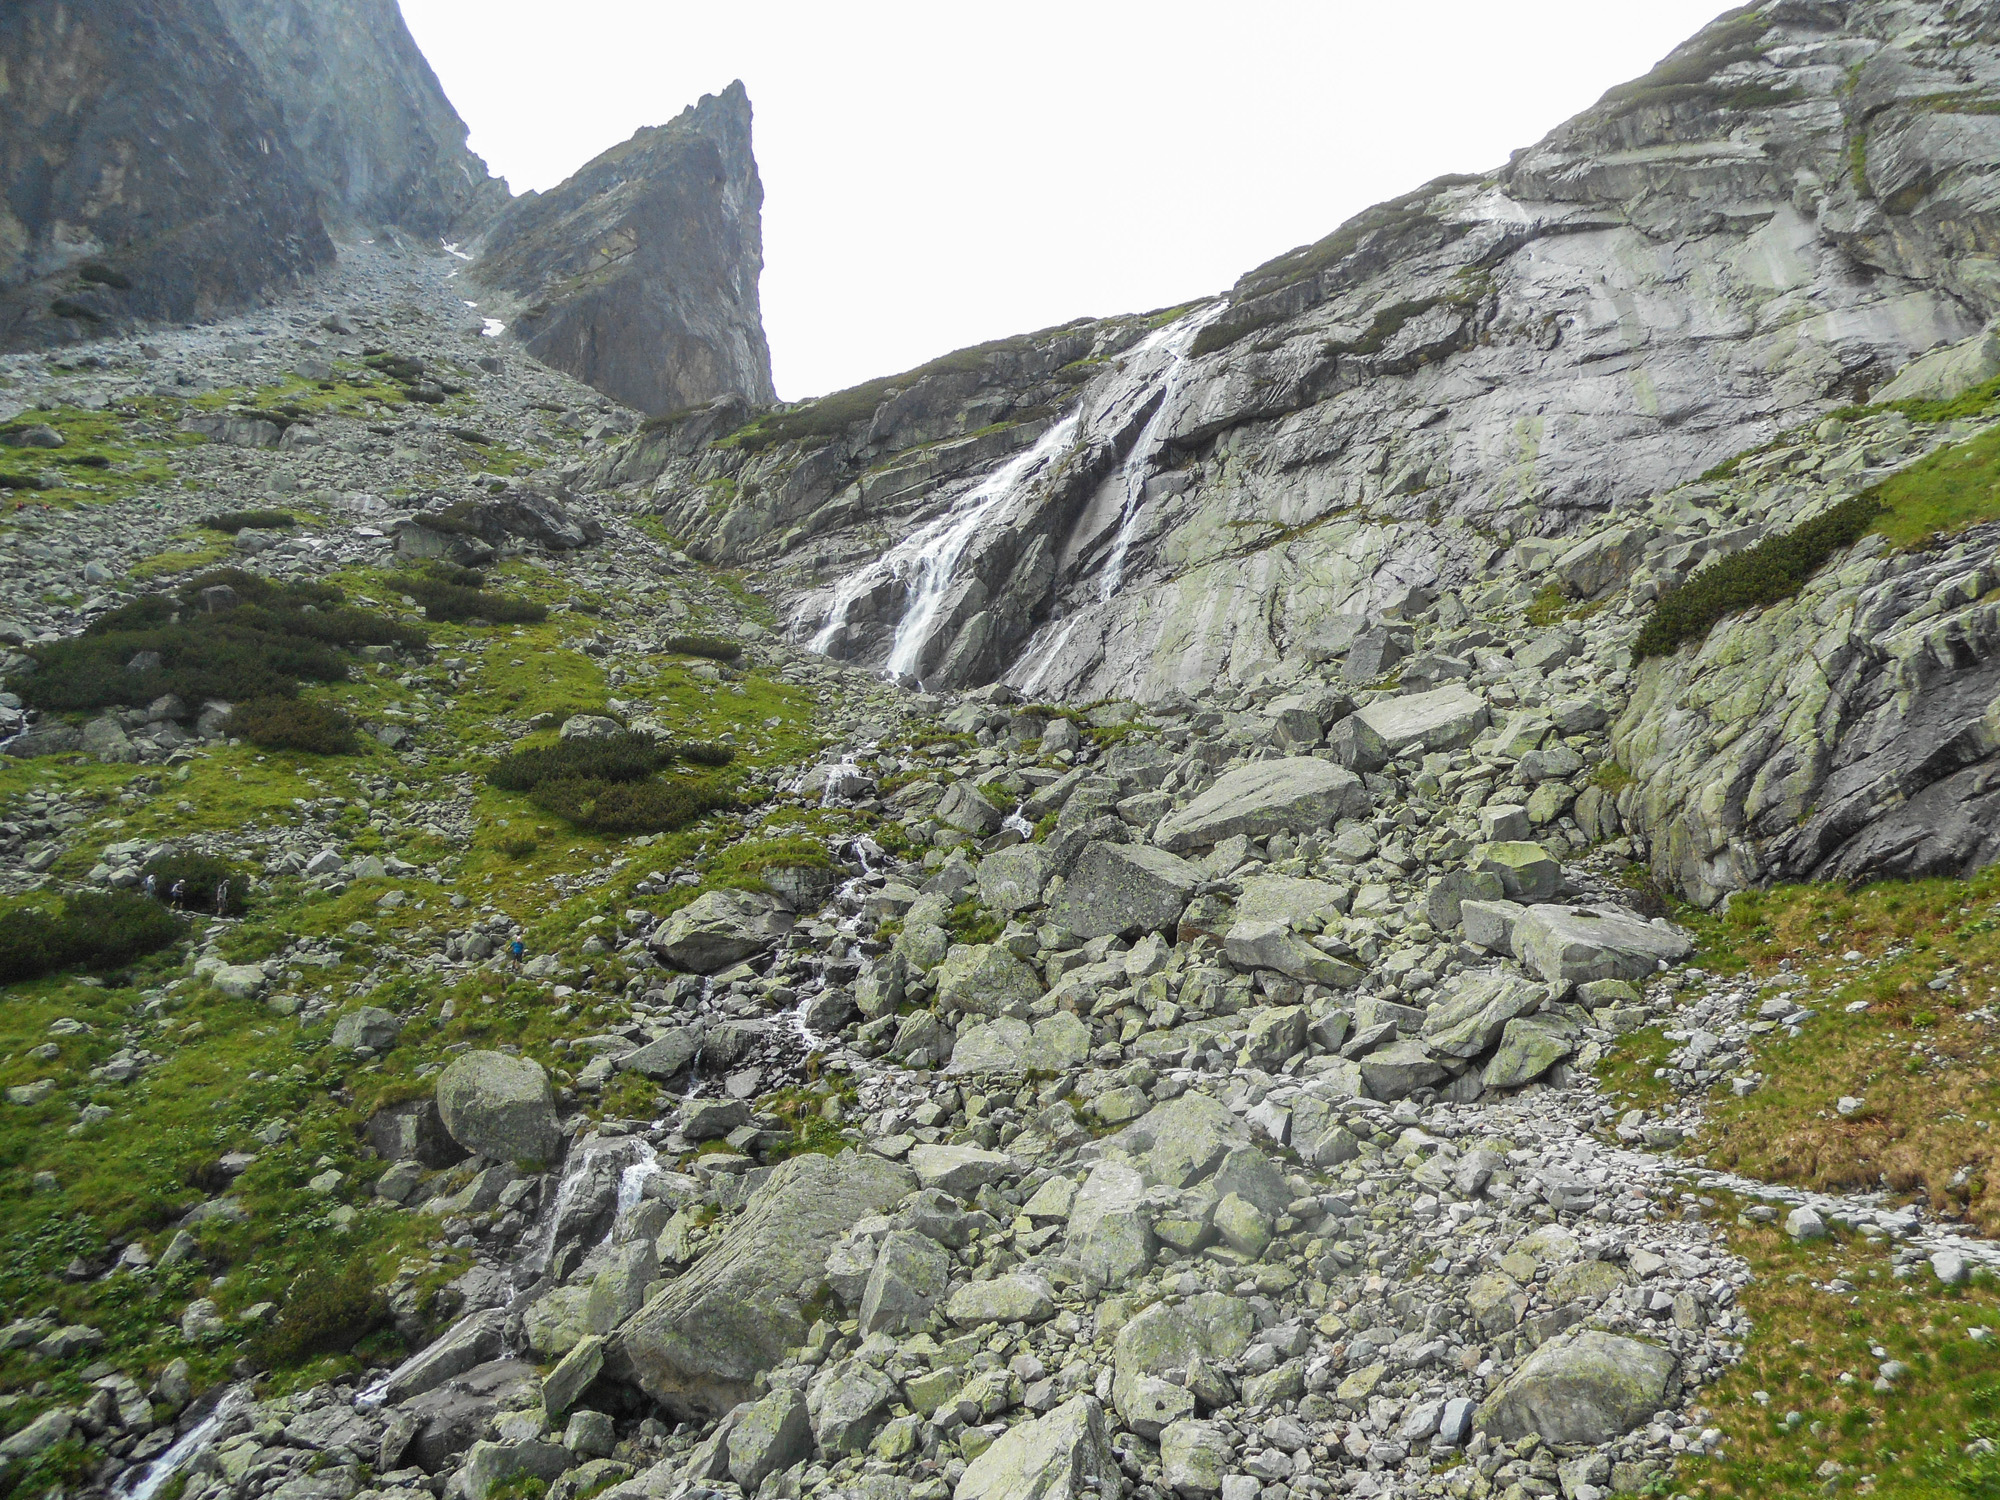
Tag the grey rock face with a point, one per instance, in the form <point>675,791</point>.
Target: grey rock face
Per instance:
<point>639,274</point>
<point>152,150</point>
<point>1339,374</point>
<point>1892,773</point>
<point>499,1106</point>
<point>697,1348</point>
<point>371,127</point>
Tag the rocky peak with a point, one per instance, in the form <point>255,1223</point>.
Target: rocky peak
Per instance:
<point>639,274</point>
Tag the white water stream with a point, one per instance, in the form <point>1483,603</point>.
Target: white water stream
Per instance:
<point>144,1484</point>
<point>1177,338</point>
<point>925,559</point>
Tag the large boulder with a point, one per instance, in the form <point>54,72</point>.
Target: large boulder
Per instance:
<point>1012,880</point>
<point>1273,945</point>
<point>1588,1388</point>
<point>1125,889</point>
<point>1180,1142</point>
<point>1476,1008</point>
<point>986,979</point>
<point>1570,946</point>
<point>720,928</point>
<point>1296,794</point>
<point>1529,1047</point>
<point>1065,1455</point>
<point>1447,718</point>
<point>1165,1337</point>
<point>1108,1233</point>
<point>1054,1044</point>
<point>698,1348</point>
<point>500,1106</point>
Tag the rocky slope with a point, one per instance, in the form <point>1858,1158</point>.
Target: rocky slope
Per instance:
<point>1769,225</point>
<point>366,118</point>
<point>639,274</point>
<point>1007,1101</point>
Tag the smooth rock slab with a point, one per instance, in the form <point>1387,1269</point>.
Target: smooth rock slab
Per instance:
<point>1529,1047</point>
<point>1012,880</point>
<point>1569,947</point>
<point>698,1347</point>
<point>1273,945</point>
<point>1588,1388</point>
<point>1297,794</point>
<point>1107,1234</point>
<point>1446,718</point>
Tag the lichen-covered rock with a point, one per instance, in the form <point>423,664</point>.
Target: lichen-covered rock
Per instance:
<point>1065,1455</point>
<point>500,1106</point>
<point>1124,889</point>
<point>1293,795</point>
<point>1586,1388</point>
<point>698,1347</point>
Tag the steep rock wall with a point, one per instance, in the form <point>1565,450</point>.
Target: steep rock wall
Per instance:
<point>366,116</point>
<point>144,172</point>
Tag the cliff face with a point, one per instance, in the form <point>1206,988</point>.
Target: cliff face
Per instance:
<point>369,122</point>
<point>144,172</point>
<point>1770,224</point>
<point>639,274</point>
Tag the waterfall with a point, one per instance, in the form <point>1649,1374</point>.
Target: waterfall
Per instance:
<point>926,557</point>
<point>930,555</point>
<point>1177,338</point>
<point>144,1484</point>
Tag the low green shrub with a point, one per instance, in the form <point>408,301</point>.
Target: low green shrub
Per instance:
<point>703,753</point>
<point>611,757</point>
<point>322,1315</point>
<point>204,882</point>
<point>233,521</point>
<point>455,603</point>
<point>259,640</point>
<point>630,807</point>
<point>89,930</point>
<point>1773,570</point>
<point>293,724</point>
<point>97,273</point>
<point>714,647</point>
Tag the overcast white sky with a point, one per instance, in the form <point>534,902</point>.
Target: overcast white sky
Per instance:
<point>936,174</point>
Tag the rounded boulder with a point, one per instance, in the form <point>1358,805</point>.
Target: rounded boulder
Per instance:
<point>500,1106</point>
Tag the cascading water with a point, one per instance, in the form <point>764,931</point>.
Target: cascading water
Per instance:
<point>144,1484</point>
<point>925,559</point>
<point>934,552</point>
<point>1176,339</point>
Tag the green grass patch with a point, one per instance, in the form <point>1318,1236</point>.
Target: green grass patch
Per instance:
<point>1941,493</point>
<point>1803,1397</point>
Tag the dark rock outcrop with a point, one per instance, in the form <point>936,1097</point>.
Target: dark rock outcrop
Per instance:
<point>145,173</point>
<point>639,274</point>
<point>369,123</point>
